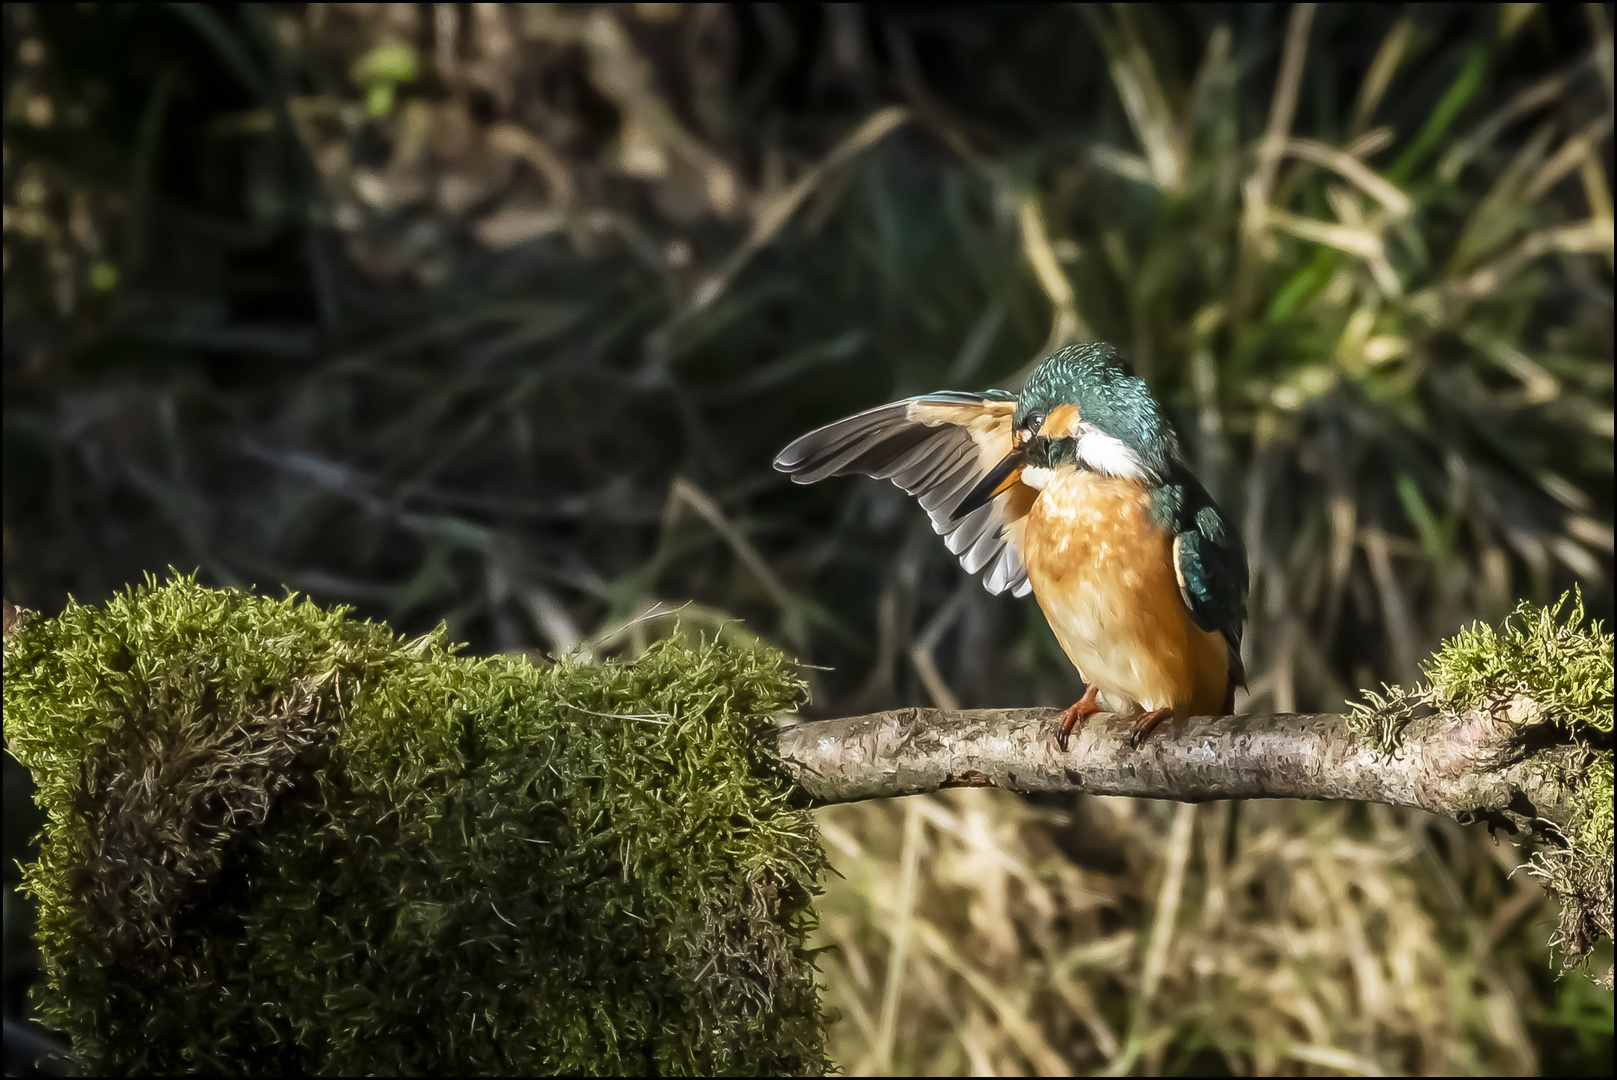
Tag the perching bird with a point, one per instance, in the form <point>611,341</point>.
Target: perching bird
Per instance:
<point>1073,490</point>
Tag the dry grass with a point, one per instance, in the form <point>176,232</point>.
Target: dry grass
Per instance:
<point>1265,938</point>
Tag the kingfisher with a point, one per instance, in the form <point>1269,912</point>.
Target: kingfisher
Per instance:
<point>1074,490</point>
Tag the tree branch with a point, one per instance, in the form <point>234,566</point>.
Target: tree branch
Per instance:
<point>1467,766</point>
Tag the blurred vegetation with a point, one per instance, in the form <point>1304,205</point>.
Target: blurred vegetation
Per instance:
<point>497,314</point>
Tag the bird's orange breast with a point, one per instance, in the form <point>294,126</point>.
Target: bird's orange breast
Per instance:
<point>1103,572</point>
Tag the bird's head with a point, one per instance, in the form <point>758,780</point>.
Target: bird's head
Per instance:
<point>1081,408</point>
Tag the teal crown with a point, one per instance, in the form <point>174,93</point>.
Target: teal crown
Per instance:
<point>1095,377</point>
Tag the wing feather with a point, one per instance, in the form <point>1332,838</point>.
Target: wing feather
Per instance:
<point>936,447</point>
<point>927,473</point>
<point>969,530</point>
<point>1008,572</point>
<point>981,551</point>
<point>945,493</point>
<point>1210,563</point>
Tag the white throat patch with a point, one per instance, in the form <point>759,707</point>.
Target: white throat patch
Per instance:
<point>1106,454</point>
<point>1036,476</point>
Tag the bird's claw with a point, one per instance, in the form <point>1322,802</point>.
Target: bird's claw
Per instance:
<point>1077,713</point>
<point>1146,723</point>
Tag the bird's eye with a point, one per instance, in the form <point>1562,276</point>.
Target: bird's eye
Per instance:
<point>1033,423</point>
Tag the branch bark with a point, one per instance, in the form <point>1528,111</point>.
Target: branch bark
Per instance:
<point>1468,766</point>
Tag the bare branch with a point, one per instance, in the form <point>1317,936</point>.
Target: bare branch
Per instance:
<point>1467,766</point>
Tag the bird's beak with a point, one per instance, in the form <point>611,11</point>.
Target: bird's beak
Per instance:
<point>1000,477</point>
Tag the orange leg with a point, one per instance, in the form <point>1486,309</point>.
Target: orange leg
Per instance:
<point>1146,723</point>
<point>1079,711</point>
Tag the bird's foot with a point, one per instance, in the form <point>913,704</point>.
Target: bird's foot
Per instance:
<point>1079,711</point>
<point>1146,723</point>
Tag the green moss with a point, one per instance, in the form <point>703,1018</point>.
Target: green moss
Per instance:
<point>1545,654</point>
<point>1596,831</point>
<point>1556,660</point>
<point>1561,662</point>
<point>283,840</point>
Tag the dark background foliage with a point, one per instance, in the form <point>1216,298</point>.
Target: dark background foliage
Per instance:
<point>496,315</point>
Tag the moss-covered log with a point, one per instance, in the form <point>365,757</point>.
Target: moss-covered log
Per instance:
<point>280,840</point>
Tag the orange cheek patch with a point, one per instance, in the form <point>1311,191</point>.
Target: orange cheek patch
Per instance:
<point>1062,423</point>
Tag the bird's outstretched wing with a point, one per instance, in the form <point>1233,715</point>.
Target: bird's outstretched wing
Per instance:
<point>938,447</point>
